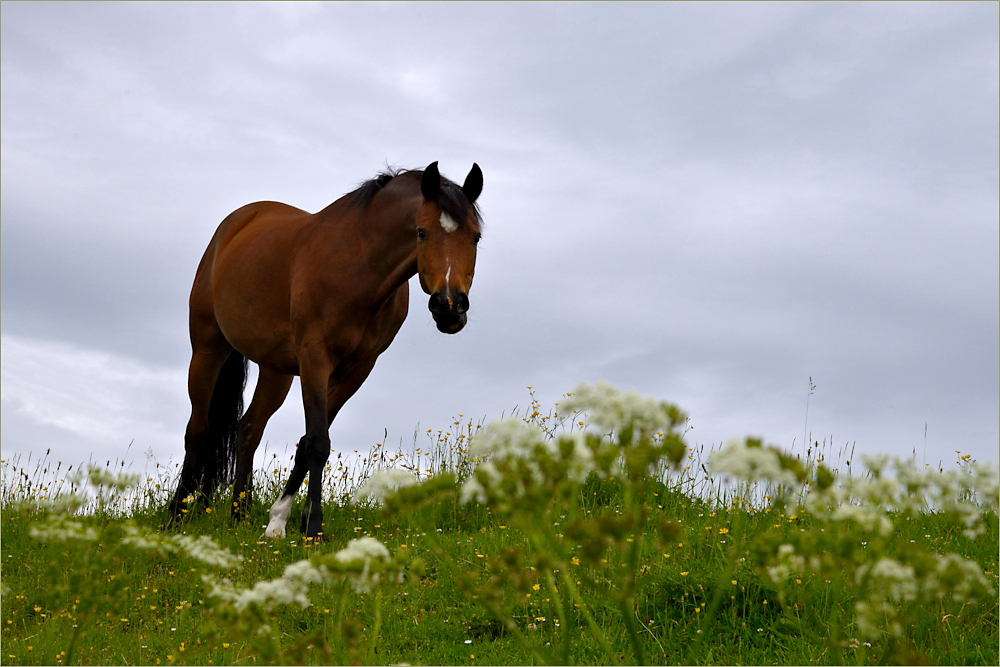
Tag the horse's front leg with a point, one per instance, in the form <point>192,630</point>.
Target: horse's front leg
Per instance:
<point>312,513</point>
<point>315,456</point>
<point>313,449</point>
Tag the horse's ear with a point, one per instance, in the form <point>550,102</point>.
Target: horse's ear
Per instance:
<point>430,182</point>
<point>473,183</point>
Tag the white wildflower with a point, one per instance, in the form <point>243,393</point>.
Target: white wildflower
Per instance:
<point>890,577</point>
<point>961,579</point>
<point>205,549</point>
<point>958,491</point>
<point>101,477</point>
<point>894,488</point>
<point>778,573</point>
<point>305,572</point>
<point>863,619</point>
<point>875,462</point>
<point>63,503</point>
<point>472,489</point>
<point>507,438</point>
<point>868,516</point>
<point>614,410</point>
<point>365,548</point>
<point>290,588</point>
<point>869,613</point>
<point>502,443</point>
<point>913,487</point>
<point>363,551</point>
<point>788,562</point>
<point>872,500</point>
<point>751,464</point>
<point>60,529</point>
<point>201,548</point>
<point>382,484</point>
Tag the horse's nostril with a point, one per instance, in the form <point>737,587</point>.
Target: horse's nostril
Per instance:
<point>438,303</point>
<point>461,303</point>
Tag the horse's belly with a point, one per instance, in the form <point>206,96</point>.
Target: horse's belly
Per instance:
<point>257,332</point>
<point>280,359</point>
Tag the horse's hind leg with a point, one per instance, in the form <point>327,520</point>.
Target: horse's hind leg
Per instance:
<point>202,376</point>
<point>270,393</point>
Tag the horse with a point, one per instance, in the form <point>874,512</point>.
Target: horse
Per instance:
<point>320,296</point>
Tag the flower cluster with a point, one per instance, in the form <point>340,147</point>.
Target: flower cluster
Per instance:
<point>201,548</point>
<point>382,484</point>
<point>511,446</point>
<point>611,409</point>
<point>90,488</point>
<point>788,563</point>
<point>889,582</point>
<point>518,460</point>
<point>361,563</point>
<point>872,500</point>
<point>370,556</point>
<point>60,528</point>
<point>748,460</point>
<point>850,512</point>
<point>896,580</point>
<point>290,588</point>
<point>101,477</point>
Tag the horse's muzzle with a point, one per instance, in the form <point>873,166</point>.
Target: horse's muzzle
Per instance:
<point>448,311</point>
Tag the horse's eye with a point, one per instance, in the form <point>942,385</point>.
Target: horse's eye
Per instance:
<point>422,234</point>
<point>475,239</point>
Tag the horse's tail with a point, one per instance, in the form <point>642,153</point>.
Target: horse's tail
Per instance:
<point>224,414</point>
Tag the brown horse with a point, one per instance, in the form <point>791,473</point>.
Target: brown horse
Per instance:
<point>320,296</point>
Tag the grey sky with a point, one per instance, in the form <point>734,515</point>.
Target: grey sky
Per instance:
<point>708,203</point>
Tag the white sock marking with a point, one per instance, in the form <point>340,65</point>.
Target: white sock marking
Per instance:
<point>279,516</point>
<point>448,223</point>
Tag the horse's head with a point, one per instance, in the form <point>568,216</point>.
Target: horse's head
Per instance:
<point>447,234</point>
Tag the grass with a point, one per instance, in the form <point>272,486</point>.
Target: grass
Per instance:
<point>697,594</point>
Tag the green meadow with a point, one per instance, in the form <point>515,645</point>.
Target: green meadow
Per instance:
<point>591,536</point>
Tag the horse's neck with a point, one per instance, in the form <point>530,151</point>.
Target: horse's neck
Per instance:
<point>388,226</point>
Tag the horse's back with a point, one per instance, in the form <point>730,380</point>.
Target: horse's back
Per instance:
<point>267,218</point>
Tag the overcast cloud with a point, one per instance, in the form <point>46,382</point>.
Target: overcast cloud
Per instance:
<point>709,203</point>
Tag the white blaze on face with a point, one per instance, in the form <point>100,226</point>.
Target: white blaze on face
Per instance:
<point>448,223</point>
<point>279,516</point>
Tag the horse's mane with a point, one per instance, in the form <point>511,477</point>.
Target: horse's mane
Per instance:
<point>365,192</point>
<point>450,200</point>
